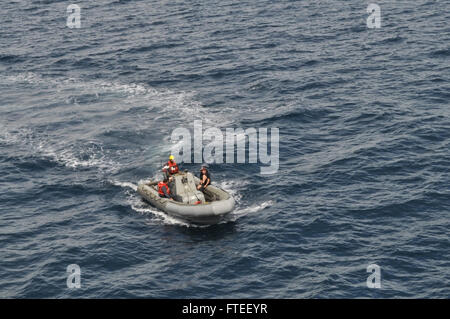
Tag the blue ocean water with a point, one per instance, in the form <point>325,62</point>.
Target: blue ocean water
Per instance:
<point>363,114</point>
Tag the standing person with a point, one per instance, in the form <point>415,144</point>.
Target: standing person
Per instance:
<point>205,179</point>
<point>171,167</point>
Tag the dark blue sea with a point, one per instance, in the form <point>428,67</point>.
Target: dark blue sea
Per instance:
<point>364,147</point>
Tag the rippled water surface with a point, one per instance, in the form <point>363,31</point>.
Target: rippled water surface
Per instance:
<point>363,114</point>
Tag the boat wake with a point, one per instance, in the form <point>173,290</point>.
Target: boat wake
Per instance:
<point>124,185</point>
<point>86,149</point>
<point>138,205</point>
<point>158,217</point>
<point>80,154</point>
<point>236,188</point>
<point>237,213</point>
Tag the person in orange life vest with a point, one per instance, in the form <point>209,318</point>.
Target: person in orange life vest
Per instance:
<point>205,179</point>
<point>171,167</point>
<point>163,189</point>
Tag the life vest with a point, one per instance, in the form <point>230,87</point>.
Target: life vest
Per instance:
<point>160,188</point>
<point>173,167</point>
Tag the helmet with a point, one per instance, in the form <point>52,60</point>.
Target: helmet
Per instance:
<point>171,157</point>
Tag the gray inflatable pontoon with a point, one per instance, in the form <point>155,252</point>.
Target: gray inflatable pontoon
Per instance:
<point>206,208</point>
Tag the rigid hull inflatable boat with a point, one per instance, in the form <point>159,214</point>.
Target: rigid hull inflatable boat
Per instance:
<point>207,207</point>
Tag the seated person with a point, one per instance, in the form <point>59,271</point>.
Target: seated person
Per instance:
<point>205,179</point>
<point>163,189</point>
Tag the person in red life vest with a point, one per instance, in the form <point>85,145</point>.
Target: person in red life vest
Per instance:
<point>164,190</point>
<point>171,167</point>
<point>205,179</point>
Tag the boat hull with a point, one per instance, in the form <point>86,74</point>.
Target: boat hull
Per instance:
<point>204,214</point>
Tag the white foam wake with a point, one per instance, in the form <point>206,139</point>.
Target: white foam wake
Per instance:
<point>157,216</point>
<point>235,188</point>
<point>139,206</point>
<point>183,103</point>
<point>124,184</point>
<point>89,154</point>
<point>252,209</point>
